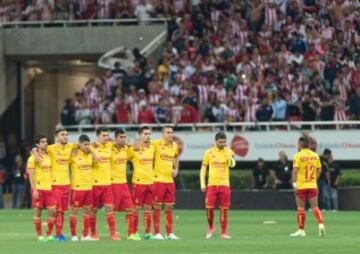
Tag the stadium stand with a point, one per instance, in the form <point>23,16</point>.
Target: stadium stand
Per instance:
<point>234,61</point>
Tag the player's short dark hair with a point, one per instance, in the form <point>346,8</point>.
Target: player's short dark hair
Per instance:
<point>143,128</point>
<point>84,138</point>
<point>38,138</point>
<point>60,129</point>
<point>101,129</point>
<point>304,141</point>
<point>167,127</point>
<point>118,132</point>
<point>220,135</point>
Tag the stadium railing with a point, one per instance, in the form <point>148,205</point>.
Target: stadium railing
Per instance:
<point>80,23</point>
<point>232,127</point>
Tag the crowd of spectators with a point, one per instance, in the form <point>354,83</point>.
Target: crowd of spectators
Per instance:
<point>230,61</point>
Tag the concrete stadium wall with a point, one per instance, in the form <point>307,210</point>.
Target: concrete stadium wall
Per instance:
<point>50,90</point>
<point>75,41</point>
<point>8,81</point>
<point>263,199</point>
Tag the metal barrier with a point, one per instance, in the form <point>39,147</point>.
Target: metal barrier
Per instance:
<point>232,127</point>
<point>80,23</point>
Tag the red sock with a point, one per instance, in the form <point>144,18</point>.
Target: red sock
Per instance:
<point>111,223</point>
<point>50,225</point>
<point>93,225</point>
<point>129,217</point>
<point>168,221</point>
<point>73,225</point>
<point>156,219</point>
<point>318,216</point>
<point>147,221</point>
<point>37,224</point>
<point>86,225</point>
<point>59,222</point>
<point>223,220</point>
<point>136,221</point>
<point>301,218</point>
<point>210,217</point>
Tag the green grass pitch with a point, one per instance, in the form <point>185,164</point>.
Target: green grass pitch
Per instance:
<point>253,232</point>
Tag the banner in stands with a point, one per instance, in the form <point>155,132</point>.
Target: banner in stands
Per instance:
<point>249,146</point>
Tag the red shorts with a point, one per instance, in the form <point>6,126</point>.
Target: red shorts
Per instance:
<point>306,194</point>
<point>45,200</point>
<point>102,195</point>
<point>164,193</point>
<point>218,195</point>
<point>143,194</point>
<point>81,198</point>
<point>61,194</point>
<point>122,197</point>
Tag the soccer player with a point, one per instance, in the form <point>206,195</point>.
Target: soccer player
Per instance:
<point>40,181</point>
<point>81,187</point>
<point>166,168</point>
<point>143,179</point>
<point>121,193</point>
<point>60,153</point>
<point>306,170</point>
<point>102,190</point>
<point>218,160</point>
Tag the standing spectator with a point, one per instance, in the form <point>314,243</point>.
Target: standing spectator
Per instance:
<point>279,106</point>
<point>143,10</point>
<point>122,111</point>
<point>322,178</point>
<point>188,114</point>
<point>17,176</point>
<point>333,178</point>
<point>162,112</point>
<point>67,114</point>
<point>308,108</point>
<point>265,112</point>
<point>281,172</point>
<point>2,180</point>
<point>83,115</point>
<point>355,77</point>
<point>32,11</point>
<point>146,115</point>
<point>355,105</point>
<point>260,175</point>
<point>61,10</point>
<point>326,107</point>
<point>104,9</point>
<point>218,111</point>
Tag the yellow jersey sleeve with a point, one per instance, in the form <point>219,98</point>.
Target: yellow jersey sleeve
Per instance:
<point>42,172</point>
<point>205,160</point>
<point>296,163</point>
<point>30,165</point>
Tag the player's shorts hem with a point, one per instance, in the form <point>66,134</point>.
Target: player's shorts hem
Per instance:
<point>108,204</point>
<point>49,206</point>
<point>209,206</point>
<point>169,203</point>
<point>224,207</point>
